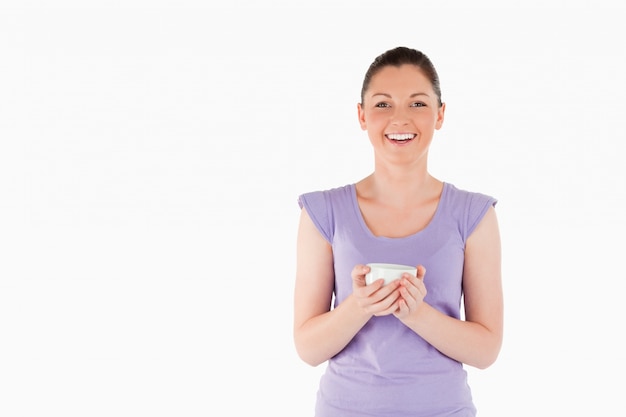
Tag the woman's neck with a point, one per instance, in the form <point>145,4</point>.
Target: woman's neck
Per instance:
<point>399,186</point>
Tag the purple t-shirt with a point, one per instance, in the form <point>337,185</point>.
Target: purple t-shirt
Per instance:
<point>387,369</point>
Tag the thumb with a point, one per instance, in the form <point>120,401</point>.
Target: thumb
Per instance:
<point>421,271</point>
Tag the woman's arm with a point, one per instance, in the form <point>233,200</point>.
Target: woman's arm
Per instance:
<point>319,331</point>
<point>477,340</point>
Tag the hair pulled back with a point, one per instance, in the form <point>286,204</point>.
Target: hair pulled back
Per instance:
<point>401,56</point>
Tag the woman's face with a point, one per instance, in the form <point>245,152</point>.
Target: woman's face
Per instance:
<point>400,112</point>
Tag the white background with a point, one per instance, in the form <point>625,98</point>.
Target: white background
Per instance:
<point>152,152</point>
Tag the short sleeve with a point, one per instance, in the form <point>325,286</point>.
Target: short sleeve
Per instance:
<point>478,204</point>
<point>319,210</point>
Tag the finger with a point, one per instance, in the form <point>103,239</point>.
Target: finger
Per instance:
<point>371,289</point>
<point>403,309</point>
<point>385,289</point>
<point>410,285</point>
<point>358,275</point>
<point>359,271</point>
<point>411,298</point>
<point>409,292</point>
<point>415,286</point>
<point>421,272</point>
<point>388,305</point>
<point>418,293</point>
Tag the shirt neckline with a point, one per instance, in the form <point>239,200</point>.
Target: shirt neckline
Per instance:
<point>359,215</point>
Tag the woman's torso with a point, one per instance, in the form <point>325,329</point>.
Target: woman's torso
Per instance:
<point>387,369</point>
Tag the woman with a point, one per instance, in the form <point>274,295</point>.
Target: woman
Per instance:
<point>398,349</point>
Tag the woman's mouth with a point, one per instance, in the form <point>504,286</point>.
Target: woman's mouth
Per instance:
<point>400,137</point>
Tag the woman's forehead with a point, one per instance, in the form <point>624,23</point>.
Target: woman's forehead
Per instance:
<point>407,79</point>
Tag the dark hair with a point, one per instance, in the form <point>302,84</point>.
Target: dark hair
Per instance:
<point>401,56</point>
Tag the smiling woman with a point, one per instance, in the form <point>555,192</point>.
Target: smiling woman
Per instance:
<point>401,106</point>
<point>398,348</point>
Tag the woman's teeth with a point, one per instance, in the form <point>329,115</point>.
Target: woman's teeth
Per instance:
<point>403,136</point>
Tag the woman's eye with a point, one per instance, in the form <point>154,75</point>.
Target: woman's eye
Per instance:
<point>382,105</point>
<point>419,104</point>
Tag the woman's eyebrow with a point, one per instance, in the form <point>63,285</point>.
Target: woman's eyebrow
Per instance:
<point>411,96</point>
<point>419,94</point>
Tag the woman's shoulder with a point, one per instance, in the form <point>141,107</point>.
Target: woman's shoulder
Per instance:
<point>462,194</point>
<point>327,193</point>
<point>333,190</point>
<point>468,207</point>
<point>325,206</point>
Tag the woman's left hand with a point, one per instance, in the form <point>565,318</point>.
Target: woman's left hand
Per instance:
<point>412,293</point>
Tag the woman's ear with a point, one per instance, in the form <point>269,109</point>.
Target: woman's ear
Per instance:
<point>440,116</point>
<point>361,115</point>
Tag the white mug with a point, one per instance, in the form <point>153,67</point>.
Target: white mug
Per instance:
<point>389,272</point>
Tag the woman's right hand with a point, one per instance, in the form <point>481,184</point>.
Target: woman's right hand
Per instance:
<point>376,298</point>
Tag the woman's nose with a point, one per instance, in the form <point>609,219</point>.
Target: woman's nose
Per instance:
<point>400,116</point>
